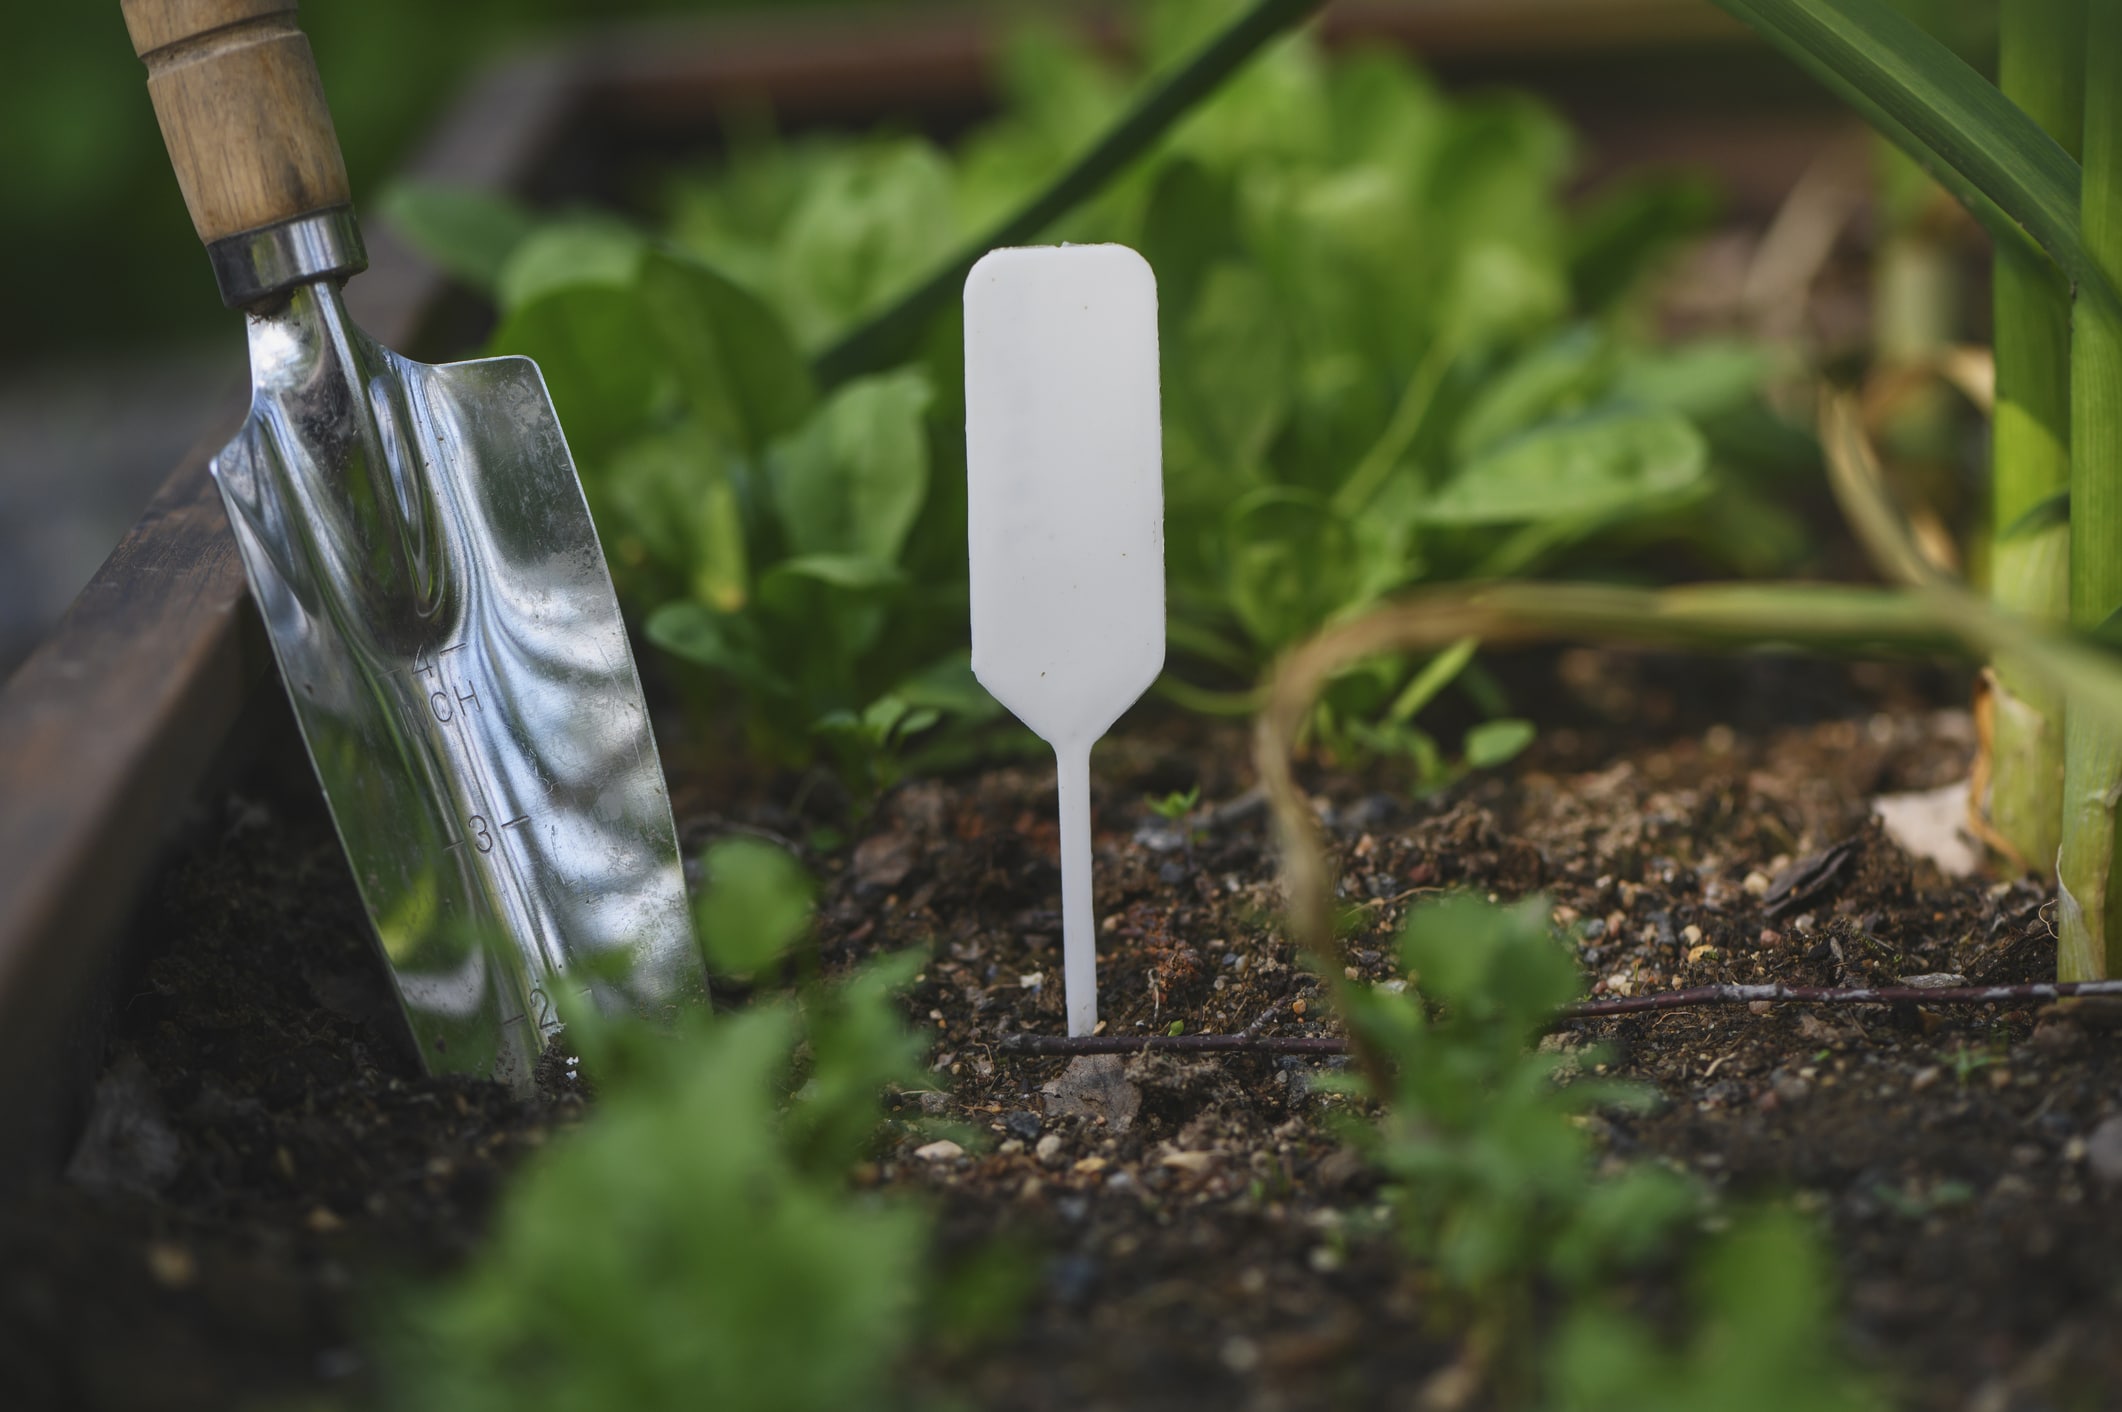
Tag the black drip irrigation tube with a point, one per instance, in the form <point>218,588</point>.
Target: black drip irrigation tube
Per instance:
<point>1249,1043</point>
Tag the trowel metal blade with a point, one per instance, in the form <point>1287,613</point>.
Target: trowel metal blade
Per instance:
<point>419,548</point>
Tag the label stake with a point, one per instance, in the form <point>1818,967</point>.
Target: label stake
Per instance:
<point>1065,518</point>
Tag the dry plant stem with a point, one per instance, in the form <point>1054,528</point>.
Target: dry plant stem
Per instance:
<point>2039,68</point>
<point>2090,923</point>
<point>2088,676</point>
<point>1689,998</point>
<point>1916,310</point>
<point>1936,614</point>
<point>1712,615</point>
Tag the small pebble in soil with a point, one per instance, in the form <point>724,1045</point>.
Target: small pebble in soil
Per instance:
<point>1023,1124</point>
<point>2103,1150</point>
<point>172,1265</point>
<point>941,1150</point>
<point>1049,1149</point>
<point>1784,1089</point>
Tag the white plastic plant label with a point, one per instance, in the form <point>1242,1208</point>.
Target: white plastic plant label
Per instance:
<point>1065,515</point>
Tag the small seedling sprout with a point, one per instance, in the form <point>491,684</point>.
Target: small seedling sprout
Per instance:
<point>1176,805</point>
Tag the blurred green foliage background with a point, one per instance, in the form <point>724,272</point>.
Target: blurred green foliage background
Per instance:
<point>96,242</point>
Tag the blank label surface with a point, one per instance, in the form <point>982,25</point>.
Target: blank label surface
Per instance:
<point>1065,492</point>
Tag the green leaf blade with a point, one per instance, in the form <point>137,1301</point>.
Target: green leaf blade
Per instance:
<point>736,362</point>
<point>1583,467</point>
<point>756,905</point>
<point>2011,175</point>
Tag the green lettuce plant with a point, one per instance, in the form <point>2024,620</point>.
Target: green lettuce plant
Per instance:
<point>1391,355</point>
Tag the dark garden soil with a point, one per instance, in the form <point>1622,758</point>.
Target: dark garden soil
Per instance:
<point>263,1163</point>
<point>261,1157</point>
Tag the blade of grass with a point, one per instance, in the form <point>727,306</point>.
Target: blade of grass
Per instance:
<point>1974,141</point>
<point>2040,68</point>
<point>2088,915</point>
<point>893,331</point>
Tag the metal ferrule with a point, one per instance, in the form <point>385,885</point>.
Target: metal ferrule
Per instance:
<point>268,261</point>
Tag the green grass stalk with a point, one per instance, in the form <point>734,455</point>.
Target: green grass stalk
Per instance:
<point>2039,67</point>
<point>2089,921</point>
<point>893,332</point>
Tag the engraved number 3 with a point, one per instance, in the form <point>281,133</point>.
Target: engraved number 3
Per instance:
<point>481,839</point>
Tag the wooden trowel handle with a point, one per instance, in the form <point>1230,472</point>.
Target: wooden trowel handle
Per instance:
<point>242,111</point>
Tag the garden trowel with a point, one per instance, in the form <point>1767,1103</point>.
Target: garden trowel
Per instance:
<point>418,546</point>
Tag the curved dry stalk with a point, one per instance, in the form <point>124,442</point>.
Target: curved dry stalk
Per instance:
<point>2088,676</point>
<point>1713,615</point>
<point>1932,616</point>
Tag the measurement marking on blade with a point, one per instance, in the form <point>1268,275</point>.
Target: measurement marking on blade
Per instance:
<point>466,725</point>
<point>447,701</point>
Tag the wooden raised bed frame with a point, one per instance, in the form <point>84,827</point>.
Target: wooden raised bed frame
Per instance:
<point>109,728</point>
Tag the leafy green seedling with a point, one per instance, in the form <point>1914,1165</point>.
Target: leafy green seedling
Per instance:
<point>756,905</point>
<point>1762,1337</point>
<point>1495,1179</point>
<point>1176,805</point>
<point>1967,1061</point>
<point>695,1243</point>
<point>1496,1187</point>
<point>1493,743</point>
